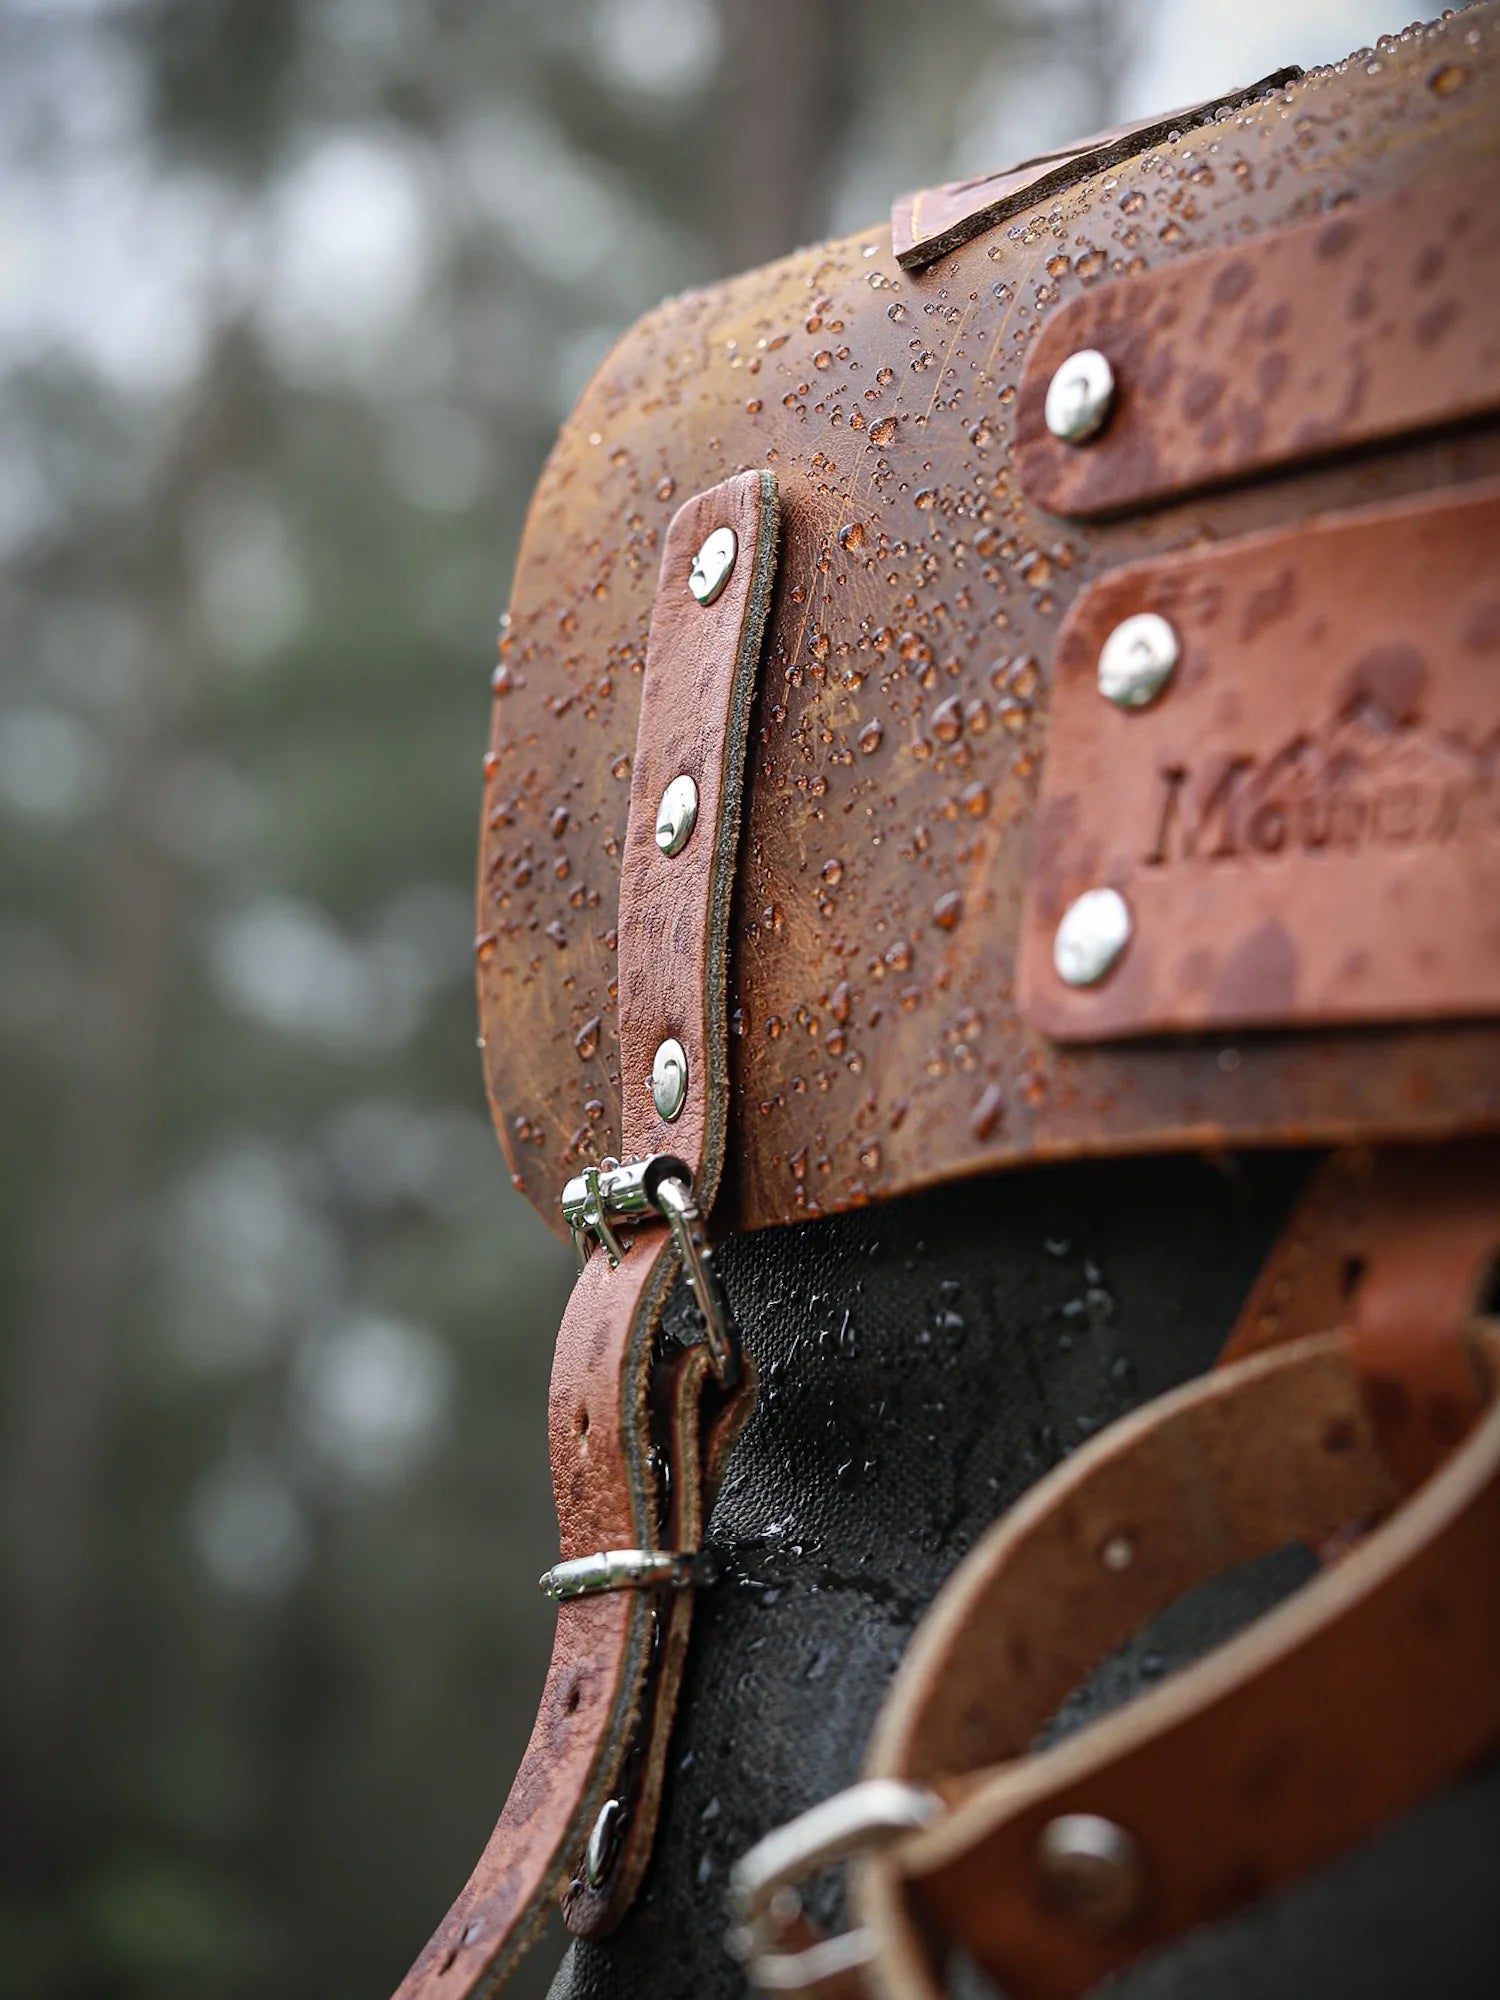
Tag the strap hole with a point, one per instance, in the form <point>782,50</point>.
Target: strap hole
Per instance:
<point>570,1706</point>
<point>583,1423</point>
<point>1352,1276</point>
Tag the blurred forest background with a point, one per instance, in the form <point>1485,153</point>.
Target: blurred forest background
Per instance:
<point>293,295</point>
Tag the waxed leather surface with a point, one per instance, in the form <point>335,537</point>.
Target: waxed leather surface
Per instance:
<point>903,723</point>
<point>923,1363</point>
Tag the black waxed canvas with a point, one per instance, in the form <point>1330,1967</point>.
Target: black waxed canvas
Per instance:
<point>922,1364</point>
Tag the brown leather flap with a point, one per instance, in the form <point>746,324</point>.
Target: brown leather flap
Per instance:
<point>1304,822</point>
<point>900,730</point>
<point>1377,321</point>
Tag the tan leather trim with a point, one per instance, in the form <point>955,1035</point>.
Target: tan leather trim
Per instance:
<point>1347,1704</point>
<point>1303,822</point>
<point>1368,324</point>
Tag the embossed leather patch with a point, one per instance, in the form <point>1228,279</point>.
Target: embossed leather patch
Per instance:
<point>1379,320</point>
<point>1304,823</point>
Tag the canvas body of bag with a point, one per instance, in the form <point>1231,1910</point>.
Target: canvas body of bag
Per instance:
<point>989,938</point>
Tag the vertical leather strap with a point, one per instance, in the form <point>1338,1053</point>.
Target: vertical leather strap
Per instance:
<point>674,909</point>
<point>616,1402</point>
<point>1396,1244</point>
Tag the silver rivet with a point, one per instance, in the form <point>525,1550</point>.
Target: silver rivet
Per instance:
<point>1137,660</point>
<point>600,1853</point>
<point>669,1078</point>
<point>712,564</point>
<point>1094,931</point>
<point>1080,396</point>
<point>677,815</point>
<point>1093,1873</point>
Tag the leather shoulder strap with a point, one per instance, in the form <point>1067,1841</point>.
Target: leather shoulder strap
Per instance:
<point>1354,1412</point>
<point>1354,1699</point>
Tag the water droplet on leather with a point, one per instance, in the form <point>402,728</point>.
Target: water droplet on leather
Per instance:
<point>988,1112</point>
<point>586,1041</point>
<point>948,720</point>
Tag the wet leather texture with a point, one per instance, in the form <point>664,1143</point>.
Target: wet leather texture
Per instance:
<point>922,1365</point>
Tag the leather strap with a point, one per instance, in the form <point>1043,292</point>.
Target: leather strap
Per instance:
<point>1346,1705</point>
<point>606,1498</point>
<point>1397,1243</point>
<point>616,1403</point>
<point>674,910</point>
<point>1380,1235</point>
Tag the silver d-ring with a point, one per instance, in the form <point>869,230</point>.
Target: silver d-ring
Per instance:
<point>867,1817</point>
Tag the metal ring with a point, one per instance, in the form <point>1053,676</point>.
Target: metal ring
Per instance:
<point>619,1569</point>
<point>868,1816</point>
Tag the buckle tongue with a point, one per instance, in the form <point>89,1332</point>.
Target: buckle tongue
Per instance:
<point>660,1185</point>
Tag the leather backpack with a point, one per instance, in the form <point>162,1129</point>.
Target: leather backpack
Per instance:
<point>989,941</point>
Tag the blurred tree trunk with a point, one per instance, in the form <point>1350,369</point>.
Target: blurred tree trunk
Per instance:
<point>83,1269</point>
<point>788,109</point>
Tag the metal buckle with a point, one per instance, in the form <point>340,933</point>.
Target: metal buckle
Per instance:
<point>661,1185</point>
<point>762,1885</point>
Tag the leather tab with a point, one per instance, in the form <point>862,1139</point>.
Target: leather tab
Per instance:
<point>928,224</point>
<point>1369,324</point>
<point>701,665</point>
<point>1303,823</point>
